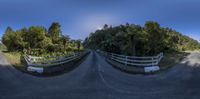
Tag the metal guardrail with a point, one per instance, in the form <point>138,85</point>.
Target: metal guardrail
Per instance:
<point>134,60</point>
<point>39,63</point>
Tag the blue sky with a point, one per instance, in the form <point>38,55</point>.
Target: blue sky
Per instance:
<point>80,17</point>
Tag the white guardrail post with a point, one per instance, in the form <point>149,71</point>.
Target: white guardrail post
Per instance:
<point>126,60</point>
<point>112,56</point>
<point>152,61</point>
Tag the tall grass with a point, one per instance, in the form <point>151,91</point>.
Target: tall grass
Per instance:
<point>14,58</point>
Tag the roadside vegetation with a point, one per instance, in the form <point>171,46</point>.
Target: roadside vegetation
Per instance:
<point>14,58</point>
<point>171,59</point>
<point>147,40</point>
<point>2,47</point>
<point>38,41</point>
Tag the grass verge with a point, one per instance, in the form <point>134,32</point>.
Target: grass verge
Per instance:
<point>171,59</point>
<point>14,58</point>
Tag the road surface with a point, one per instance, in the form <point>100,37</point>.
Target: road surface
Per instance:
<point>96,79</point>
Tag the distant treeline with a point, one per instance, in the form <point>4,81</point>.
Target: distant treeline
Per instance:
<point>40,40</point>
<point>132,39</point>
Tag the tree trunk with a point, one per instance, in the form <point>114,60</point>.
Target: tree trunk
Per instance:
<point>133,49</point>
<point>64,47</point>
<point>133,45</point>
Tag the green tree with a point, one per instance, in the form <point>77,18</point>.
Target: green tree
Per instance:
<point>37,40</point>
<point>134,36</point>
<point>131,39</point>
<point>78,43</point>
<point>7,38</point>
<point>36,35</point>
<point>13,40</point>
<point>55,32</point>
<point>65,40</point>
<point>155,36</point>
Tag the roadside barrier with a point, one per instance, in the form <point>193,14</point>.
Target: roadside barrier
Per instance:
<point>38,64</point>
<point>149,63</point>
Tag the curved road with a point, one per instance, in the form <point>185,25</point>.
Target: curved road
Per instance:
<point>96,79</point>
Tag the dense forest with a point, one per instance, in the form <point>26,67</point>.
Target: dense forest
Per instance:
<point>132,39</point>
<point>37,40</point>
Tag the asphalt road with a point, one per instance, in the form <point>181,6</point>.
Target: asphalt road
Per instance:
<point>96,79</point>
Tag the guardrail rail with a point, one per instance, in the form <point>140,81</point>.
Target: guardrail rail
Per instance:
<point>37,64</point>
<point>149,63</point>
